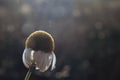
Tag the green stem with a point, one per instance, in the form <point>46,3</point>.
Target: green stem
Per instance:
<point>29,73</point>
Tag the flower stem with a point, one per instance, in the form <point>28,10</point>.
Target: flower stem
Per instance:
<point>29,73</point>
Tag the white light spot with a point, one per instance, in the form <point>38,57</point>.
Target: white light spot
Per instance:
<point>25,9</point>
<point>31,57</point>
<point>37,68</point>
<point>76,13</point>
<point>46,67</point>
<point>10,28</point>
<point>50,57</point>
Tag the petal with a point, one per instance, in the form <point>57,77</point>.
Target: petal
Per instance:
<point>53,61</point>
<point>42,60</point>
<point>27,61</point>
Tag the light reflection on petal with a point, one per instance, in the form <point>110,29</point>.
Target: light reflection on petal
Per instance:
<point>53,61</point>
<point>42,60</point>
<point>26,57</point>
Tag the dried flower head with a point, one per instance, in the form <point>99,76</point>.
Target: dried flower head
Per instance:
<point>39,50</point>
<point>40,40</point>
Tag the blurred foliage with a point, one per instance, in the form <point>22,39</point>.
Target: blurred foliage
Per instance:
<point>86,32</point>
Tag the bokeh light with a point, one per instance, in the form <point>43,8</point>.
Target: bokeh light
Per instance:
<point>86,32</point>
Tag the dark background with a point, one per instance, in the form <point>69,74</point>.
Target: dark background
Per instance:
<point>86,32</point>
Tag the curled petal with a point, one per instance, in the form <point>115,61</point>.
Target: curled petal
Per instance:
<point>26,57</point>
<point>53,61</point>
<point>42,60</point>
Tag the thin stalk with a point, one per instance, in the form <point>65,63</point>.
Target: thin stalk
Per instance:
<point>27,77</point>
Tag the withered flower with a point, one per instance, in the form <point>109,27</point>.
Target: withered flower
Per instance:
<point>39,51</point>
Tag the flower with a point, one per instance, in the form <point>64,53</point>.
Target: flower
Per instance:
<point>39,51</point>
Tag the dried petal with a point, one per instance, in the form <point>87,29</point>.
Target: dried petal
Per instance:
<point>53,61</point>
<point>42,60</point>
<point>27,57</point>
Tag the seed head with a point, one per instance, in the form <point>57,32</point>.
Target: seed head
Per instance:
<point>40,40</point>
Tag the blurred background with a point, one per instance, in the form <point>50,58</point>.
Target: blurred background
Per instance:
<point>86,32</point>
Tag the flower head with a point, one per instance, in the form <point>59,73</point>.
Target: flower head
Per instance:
<point>40,40</point>
<point>39,50</point>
